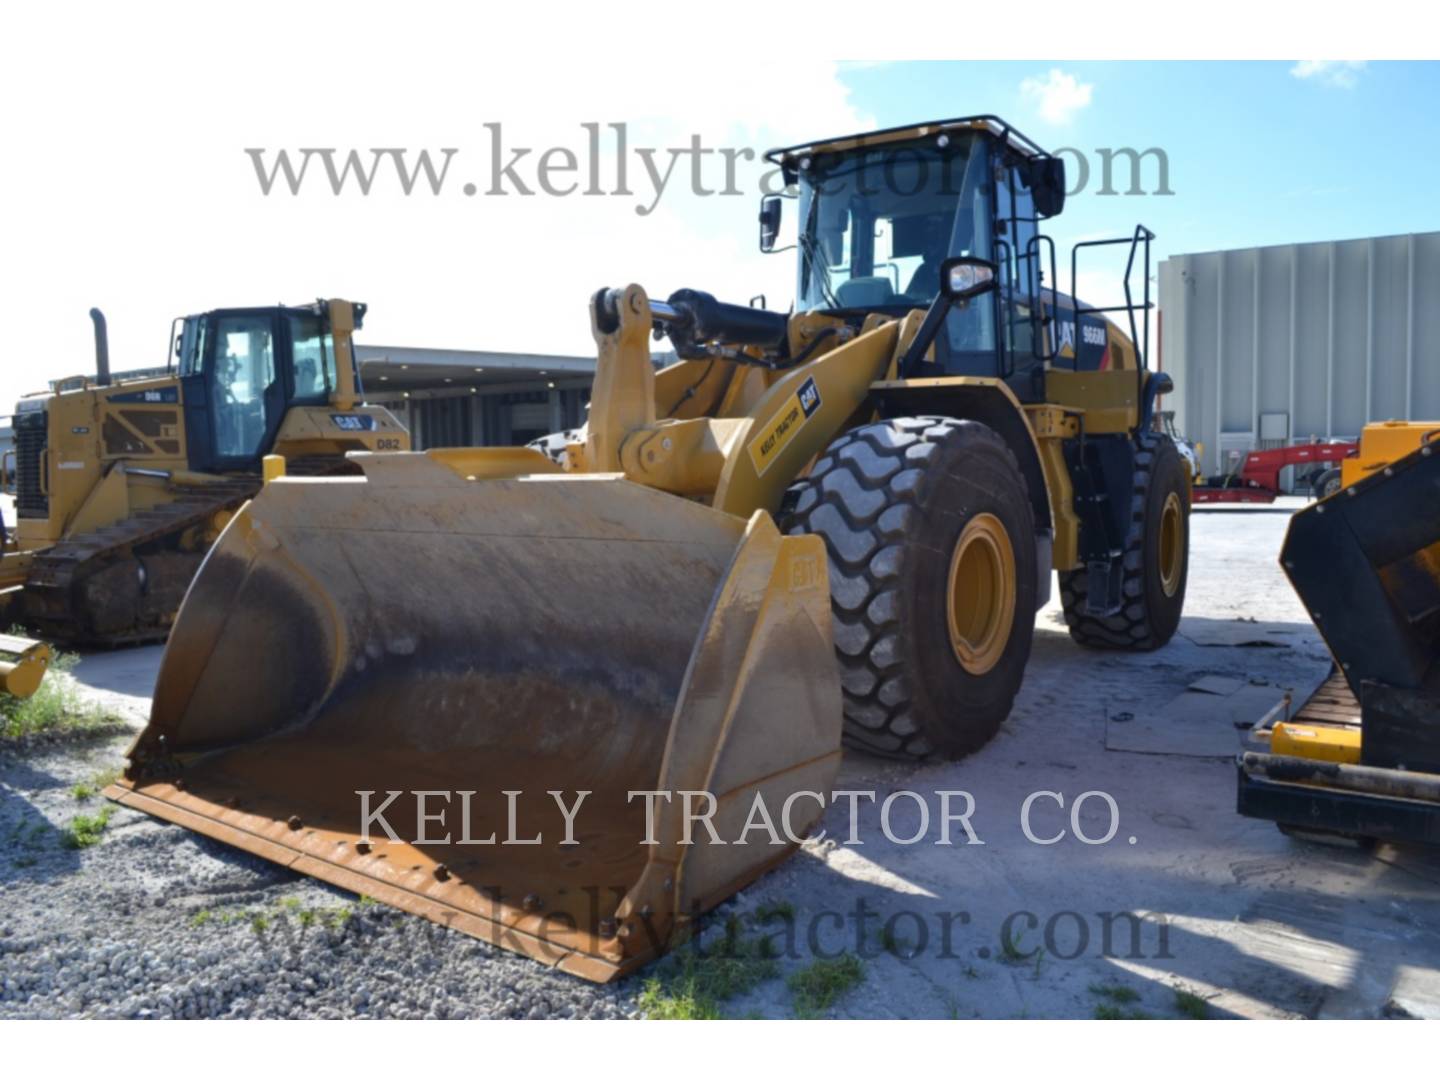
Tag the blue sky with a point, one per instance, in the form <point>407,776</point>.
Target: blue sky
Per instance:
<point>1257,154</point>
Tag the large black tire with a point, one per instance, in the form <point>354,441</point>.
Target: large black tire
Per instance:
<point>892,500</point>
<point>1151,600</point>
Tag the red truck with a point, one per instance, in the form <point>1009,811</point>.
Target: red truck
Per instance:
<point>1257,480</point>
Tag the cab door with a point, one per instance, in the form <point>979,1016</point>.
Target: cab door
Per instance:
<point>1019,258</point>
<point>245,386</point>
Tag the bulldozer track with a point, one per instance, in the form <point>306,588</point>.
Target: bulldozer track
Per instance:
<point>54,602</point>
<point>56,572</point>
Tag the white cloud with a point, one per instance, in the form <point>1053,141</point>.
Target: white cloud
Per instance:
<point>1057,96</point>
<point>1341,73</point>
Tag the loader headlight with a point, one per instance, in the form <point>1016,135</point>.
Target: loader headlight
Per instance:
<point>965,276</point>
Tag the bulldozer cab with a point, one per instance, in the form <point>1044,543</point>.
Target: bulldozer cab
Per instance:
<point>879,214</point>
<point>241,369</point>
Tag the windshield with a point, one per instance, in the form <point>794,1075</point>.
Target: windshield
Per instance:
<point>876,224</point>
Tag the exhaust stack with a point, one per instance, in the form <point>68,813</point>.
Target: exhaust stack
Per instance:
<point>102,348</point>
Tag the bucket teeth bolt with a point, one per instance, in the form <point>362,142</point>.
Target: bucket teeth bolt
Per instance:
<point>532,902</point>
<point>607,928</point>
<point>295,823</point>
<point>442,872</point>
<point>363,847</point>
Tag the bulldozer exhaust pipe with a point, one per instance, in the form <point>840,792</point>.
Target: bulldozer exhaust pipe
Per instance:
<point>102,348</point>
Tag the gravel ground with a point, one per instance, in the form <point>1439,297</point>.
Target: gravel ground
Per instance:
<point>153,921</point>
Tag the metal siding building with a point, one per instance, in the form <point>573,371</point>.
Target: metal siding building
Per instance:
<point>461,397</point>
<point>1282,344</point>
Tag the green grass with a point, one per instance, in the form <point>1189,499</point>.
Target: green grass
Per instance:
<point>817,987</point>
<point>1114,992</point>
<point>679,1003</point>
<point>1114,1012</point>
<point>776,909</point>
<point>1191,1006</point>
<point>1012,952</point>
<point>897,945</point>
<point>690,985</point>
<point>84,829</point>
<point>57,707</point>
<point>261,920</point>
<point>86,790</point>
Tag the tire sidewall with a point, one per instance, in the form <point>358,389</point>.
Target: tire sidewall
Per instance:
<point>948,504</point>
<point>1167,475</point>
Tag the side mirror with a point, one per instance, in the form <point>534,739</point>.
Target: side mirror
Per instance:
<point>1047,185</point>
<point>965,277</point>
<point>769,221</point>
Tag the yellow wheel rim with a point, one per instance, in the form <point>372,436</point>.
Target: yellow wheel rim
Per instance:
<point>981,593</point>
<point>1172,544</point>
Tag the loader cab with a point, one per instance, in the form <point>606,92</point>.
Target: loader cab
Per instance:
<point>879,214</point>
<point>240,370</point>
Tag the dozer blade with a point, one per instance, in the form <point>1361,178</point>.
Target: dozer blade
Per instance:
<point>421,630</point>
<point>23,663</point>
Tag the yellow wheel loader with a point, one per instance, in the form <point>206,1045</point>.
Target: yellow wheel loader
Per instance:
<point>123,484</point>
<point>840,519</point>
<point>1360,760</point>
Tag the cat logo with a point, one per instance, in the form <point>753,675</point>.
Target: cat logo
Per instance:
<point>1067,336</point>
<point>809,398</point>
<point>776,433</point>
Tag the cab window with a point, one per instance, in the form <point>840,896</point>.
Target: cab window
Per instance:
<point>314,353</point>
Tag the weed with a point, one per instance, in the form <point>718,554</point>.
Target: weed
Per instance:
<point>678,1003</point>
<point>1114,1012</point>
<point>86,790</point>
<point>1114,992</point>
<point>1010,948</point>
<point>57,706</point>
<point>84,829</point>
<point>895,944</point>
<point>819,986</point>
<point>1191,1005</point>
<point>692,985</point>
<point>776,909</point>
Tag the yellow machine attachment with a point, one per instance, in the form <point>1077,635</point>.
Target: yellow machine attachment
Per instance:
<point>1361,757</point>
<point>557,634</point>
<point>23,663</point>
<point>1385,442</point>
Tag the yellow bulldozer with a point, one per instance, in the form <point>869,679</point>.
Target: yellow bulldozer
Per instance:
<point>836,522</point>
<point>121,485</point>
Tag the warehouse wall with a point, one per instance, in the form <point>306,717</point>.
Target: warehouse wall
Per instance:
<point>1316,338</point>
<point>460,418</point>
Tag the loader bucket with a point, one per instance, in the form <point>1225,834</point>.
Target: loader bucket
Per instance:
<point>499,643</point>
<point>23,663</point>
